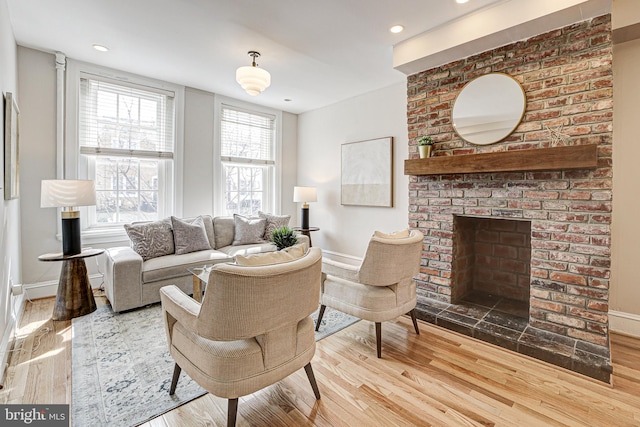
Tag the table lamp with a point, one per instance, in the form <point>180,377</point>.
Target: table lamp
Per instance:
<point>68,194</point>
<point>305,195</point>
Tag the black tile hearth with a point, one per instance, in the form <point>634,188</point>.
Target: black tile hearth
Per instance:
<point>505,323</point>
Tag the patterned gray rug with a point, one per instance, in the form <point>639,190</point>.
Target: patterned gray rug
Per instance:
<point>121,367</point>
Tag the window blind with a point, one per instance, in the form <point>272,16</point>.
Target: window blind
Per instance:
<point>125,120</point>
<point>247,137</point>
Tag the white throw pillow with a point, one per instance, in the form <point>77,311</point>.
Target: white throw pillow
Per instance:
<point>402,234</point>
<point>296,251</point>
<point>267,258</point>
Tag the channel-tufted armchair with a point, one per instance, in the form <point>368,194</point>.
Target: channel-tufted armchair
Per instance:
<point>252,329</point>
<point>381,288</point>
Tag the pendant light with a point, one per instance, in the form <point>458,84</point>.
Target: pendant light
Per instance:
<point>253,79</point>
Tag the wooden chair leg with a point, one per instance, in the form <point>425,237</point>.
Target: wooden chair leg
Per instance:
<point>174,380</point>
<point>320,314</point>
<point>415,321</point>
<point>232,411</point>
<point>379,339</point>
<point>312,380</point>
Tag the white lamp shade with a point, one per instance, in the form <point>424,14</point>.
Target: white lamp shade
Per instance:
<point>253,79</point>
<point>305,194</point>
<point>60,193</point>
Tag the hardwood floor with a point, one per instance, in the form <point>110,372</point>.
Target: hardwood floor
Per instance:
<point>436,378</point>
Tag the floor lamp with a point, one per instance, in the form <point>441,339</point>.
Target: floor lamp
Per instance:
<point>68,194</point>
<point>305,195</point>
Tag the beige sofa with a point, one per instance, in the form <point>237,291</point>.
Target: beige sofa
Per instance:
<point>131,281</point>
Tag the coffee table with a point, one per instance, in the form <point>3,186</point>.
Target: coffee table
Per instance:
<point>200,279</point>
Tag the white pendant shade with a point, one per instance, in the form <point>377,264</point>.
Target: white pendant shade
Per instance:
<point>253,79</point>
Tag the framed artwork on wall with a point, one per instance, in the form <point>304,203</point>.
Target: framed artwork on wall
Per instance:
<point>11,142</point>
<point>367,173</point>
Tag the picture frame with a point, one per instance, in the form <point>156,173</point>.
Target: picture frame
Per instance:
<point>367,173</point>
<point>11,144</point>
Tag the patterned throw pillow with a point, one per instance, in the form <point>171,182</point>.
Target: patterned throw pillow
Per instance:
<point>189,236</point>
<point>151,239</point>
<point>248,230</point>
<point>273,223</point>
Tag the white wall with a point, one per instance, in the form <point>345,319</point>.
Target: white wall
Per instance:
<point>10,266</point>
<point>289,161</point>
<point>624,301</point>
<point>39,226</point>
<point>198,132</point>
<point>382,113</point>
<point>624,310</point>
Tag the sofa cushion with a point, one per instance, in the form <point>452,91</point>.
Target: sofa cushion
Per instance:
<point>273,222</point>
<point>223,231</point>
<point>189,236</point>
<point>167,267</point>
<point>248,230</point>
<point>269,258</point>
<point>151,239</point>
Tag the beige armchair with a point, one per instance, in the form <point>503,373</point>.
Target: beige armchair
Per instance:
<point>382,287</point>
<point>252,329</point>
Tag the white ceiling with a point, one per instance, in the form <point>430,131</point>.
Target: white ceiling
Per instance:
<point>318,52</point>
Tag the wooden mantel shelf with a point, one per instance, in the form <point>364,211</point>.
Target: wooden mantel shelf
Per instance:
<point>555,158</point>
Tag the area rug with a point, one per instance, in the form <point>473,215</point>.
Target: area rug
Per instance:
<point>121,367</point>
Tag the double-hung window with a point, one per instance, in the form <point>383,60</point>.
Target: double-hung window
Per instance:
<point>248,160</point>
<point>126,137</point>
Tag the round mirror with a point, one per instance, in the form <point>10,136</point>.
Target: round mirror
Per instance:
<point>488,109</point>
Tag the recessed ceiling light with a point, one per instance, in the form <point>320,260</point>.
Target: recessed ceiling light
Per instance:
<point>461,1</point>
<point>100,48</point>
<point>396,29</point>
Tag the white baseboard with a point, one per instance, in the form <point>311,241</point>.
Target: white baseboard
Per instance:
<point>9,334</point>
<point>340,257</point>
<point>625,323</point>
<point>50,288</point>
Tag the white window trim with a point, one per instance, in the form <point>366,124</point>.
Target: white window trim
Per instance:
<point>71,150</point>
<point>218,171</point>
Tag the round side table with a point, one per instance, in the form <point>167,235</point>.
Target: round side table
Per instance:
<point>307,232</point>
<point>74,297</point>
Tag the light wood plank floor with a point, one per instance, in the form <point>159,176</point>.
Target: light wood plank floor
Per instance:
<point>438,378</point>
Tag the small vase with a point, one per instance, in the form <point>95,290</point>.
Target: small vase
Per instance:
<point>425,151</point>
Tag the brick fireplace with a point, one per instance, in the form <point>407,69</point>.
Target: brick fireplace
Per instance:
<point>521,258</point>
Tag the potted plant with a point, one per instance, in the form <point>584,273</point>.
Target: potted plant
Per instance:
<point>425,146</point>
<point>284,237</point>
